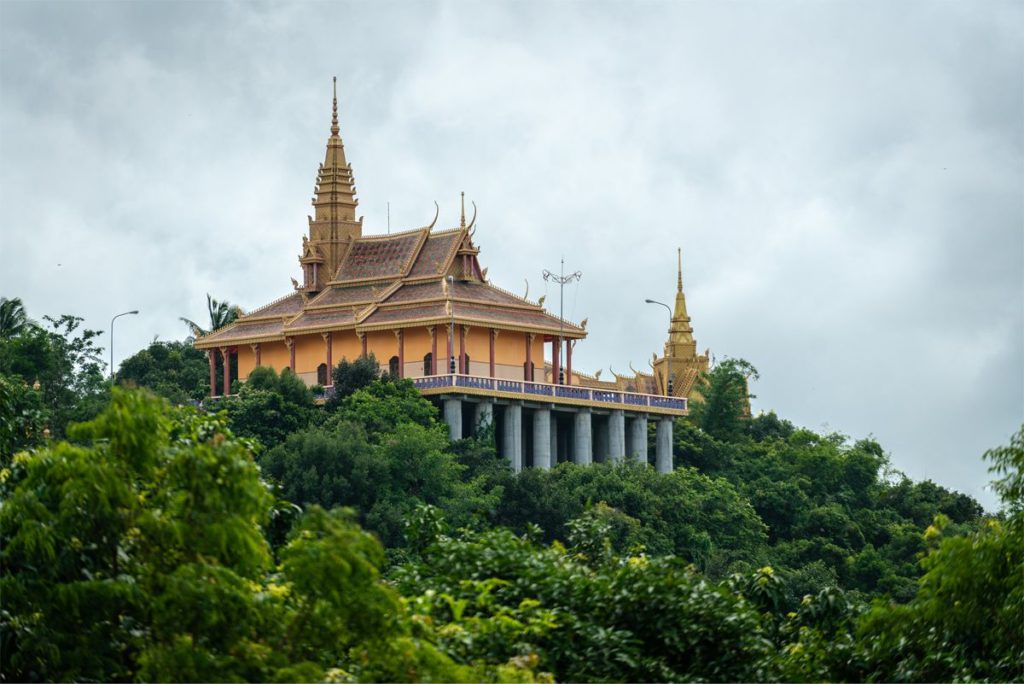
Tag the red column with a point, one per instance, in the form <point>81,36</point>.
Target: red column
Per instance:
<point>568,362</point>
<point>330,357</point>
<point>226,355</point>
<point>291,353</point>
<point>212,355</point>
<point>556,361</point>
<point>433,351</point>
<point>451,349</point>
<point>401,354</point>
<point>527,373</point>
<point>494,333</point>
<point>462,350</point>
<point>363,338</point>
<point>258,350</point>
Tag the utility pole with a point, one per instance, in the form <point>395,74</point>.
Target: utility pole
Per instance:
<point>561,279</point>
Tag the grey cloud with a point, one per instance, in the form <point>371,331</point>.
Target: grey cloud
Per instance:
<point>844,178</point>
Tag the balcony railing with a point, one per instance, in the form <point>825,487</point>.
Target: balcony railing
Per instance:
<point>541,389</point>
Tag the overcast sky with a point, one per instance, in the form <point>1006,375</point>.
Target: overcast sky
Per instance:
<point>845,179</point>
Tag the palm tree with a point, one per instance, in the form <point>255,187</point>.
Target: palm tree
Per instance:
<point>221,314</point>
<point>13,319</point>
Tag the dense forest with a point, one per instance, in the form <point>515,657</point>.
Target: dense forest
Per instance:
<point>149,534</point>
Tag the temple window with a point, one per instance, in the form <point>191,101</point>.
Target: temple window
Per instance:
<point>393,366</point>
<point>465,368</point>
<point>321,374</point>
<point>428,364</point>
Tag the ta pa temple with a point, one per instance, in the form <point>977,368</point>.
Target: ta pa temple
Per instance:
<point>421,303</point>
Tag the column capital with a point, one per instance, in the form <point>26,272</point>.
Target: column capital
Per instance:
<point>289,342</point>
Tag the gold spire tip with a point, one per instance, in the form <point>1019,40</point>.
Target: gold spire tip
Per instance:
<point>680,283</point>
<point>334,114</point>
<point>462,216</point>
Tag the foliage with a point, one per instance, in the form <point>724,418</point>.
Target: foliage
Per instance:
<point>726,401</point>
<point>350,376</point>
<point>381,453</point>
<point>141,555</point>
<point>221,314</point>
<point>497,596</point>
<point>22,419</point>
<point>65,360</point>
<point>269,407</point>
<point>176,371</point>
<point>684,513</point>
<point>13,319</point>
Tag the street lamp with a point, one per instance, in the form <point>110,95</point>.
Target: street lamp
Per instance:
<point>126,313</point>
<point>561,279</point>
<point>451,336</point>
<point>668,356</point>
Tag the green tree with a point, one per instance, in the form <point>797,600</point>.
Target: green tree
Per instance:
<point>140,554</point>
<point>220,313</point>
<point>176,371</point>
<point>66,362</point>
<point>269,407</point>
<point>350,376</point>
<point>13,319</point>
<point>726,400</point>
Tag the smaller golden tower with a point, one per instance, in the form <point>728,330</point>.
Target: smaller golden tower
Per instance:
<point>680,358</point>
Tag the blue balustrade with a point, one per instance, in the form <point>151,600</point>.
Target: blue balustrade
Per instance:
<point>541,389</point>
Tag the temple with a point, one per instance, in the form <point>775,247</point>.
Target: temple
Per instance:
<point>421,303</point>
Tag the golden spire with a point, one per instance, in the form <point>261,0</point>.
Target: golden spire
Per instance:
<point>334,222</point>
<point>679,286</point>
<point>680,332</point>
<point>335,129</point>
<point>462,217</point>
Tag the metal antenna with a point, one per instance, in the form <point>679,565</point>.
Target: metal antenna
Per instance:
<point>561,279</point>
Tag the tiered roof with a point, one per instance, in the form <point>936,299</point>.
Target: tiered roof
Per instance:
<point>395,281</point>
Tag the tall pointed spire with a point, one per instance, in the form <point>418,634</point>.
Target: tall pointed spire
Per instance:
<point>334,223</point>
<point>679,286</point>
<point>462,215</point>
<point>680,333</point>
<point>335,129</point>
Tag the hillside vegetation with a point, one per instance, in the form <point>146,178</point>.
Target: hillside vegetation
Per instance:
<point>265,537</point>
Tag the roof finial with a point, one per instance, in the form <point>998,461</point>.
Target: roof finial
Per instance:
<point>462,218</point>
<point>334,115</point>
<point>680,283</point>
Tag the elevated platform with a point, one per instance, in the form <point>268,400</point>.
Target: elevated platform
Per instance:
<point>567,395</point>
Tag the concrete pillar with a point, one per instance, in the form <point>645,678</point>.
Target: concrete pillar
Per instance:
<point>583,452</point>
<point>453,416</point>
<point>663,452</point>
<point>638,439</point>
<point>554,440</point>
<point>617,436</point>
<point>483,415</point>
<point>542,438</point>
<point>512,437</point>
<point>599,430</point>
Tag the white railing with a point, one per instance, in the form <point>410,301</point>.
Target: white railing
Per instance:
<point>543,389</point>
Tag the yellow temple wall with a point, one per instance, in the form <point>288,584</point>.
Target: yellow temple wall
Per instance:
<point>383,344</point>
<point>310,352</point>
<point>417,345</point>
<point>246,361</point>
<point>345,344</point>
<point>275,355</point>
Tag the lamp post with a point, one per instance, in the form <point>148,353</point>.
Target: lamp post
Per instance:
<point>126,313</point>
<point>561,279</point>
<point>451,336</point>
<point>668,356</point>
